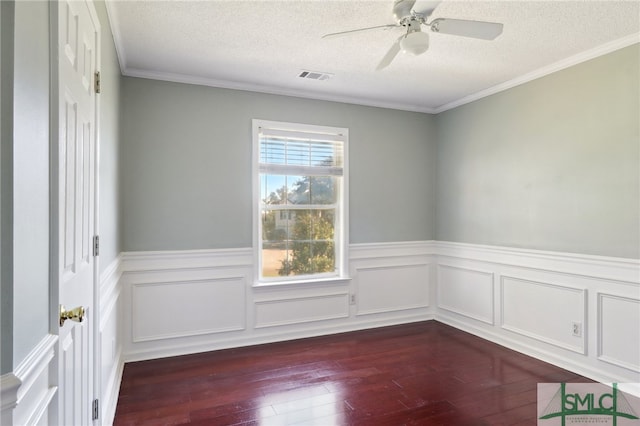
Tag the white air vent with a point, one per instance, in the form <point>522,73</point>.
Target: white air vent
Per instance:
<point>315,75</point>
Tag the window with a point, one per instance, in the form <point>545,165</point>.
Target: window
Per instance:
<point>300,201</point>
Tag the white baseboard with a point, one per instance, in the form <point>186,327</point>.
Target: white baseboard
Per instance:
<point>240,341</point>
<point>534,351</point>
<point>111,392</point>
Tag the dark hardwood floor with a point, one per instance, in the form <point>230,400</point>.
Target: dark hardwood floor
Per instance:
<point>415,374</point>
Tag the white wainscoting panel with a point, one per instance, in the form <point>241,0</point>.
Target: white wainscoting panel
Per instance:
<point>524,299</point>
<point>179,302</point>
<point>297,310</point>
<point>392,288</point>
<point>111,363</point>
<point>539,295</point>
<point>163,310</point>
<point>467,292</point>
<point>544,311</point>
<point>392,278</point>
<point>618,330</point>
<point>198,300</point>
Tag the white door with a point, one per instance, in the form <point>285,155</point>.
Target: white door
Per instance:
<point>78,43</point>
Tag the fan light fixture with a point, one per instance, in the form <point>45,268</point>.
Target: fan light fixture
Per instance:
<point>415,42</point>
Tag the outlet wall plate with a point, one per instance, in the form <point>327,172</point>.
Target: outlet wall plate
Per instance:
<point>576,329</point>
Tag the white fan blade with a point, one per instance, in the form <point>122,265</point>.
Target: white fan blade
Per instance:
<point>341,33</point>
<point>464,28</point>
<point>425,7</point>
<point>402,8</point>
<point>391,54</point>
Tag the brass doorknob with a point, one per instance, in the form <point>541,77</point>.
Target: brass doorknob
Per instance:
<point>75,314</point>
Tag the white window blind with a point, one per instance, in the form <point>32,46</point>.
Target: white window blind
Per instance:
<point>300,153</point>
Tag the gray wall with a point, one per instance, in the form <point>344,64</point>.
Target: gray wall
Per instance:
<point>552,164</point>
<point>110,209</point>
<point>7,14</point>
<point>186,165</point>
<point>30,177</point>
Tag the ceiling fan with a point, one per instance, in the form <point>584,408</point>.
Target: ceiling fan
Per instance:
<point>415,41</point>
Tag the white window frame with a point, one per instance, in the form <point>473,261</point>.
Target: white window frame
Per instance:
<point>341,231</point>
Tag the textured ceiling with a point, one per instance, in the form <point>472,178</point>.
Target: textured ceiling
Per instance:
<point>264,45</point>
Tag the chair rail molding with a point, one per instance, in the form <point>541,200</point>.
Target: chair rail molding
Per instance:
<point>622,270</point>
<point>26,393</point>
<point>9,386</point>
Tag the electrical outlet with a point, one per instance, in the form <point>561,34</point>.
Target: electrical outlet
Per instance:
<point>576,329</point>
<point>352,299</point>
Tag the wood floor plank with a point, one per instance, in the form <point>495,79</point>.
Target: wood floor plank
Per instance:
<point>423,373</point>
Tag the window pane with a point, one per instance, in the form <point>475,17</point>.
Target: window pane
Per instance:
<point>276,229</point>
<point>323,258</point>
<point>298,187</point>
<point>300,190</point>
<point>322,190</point>
<point>273,189</point>
<point>312,245</point>
<point>322,244</point>
<point>297,242</point>
<point>273,261</point>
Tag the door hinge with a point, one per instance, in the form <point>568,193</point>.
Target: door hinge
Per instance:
<point>96,245</point>
<point>96,83</point>
<point>95,410</point>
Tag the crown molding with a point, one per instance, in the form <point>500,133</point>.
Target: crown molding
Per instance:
<point>544,71</point>
<point>272,90</point>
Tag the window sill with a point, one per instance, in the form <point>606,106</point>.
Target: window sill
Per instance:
<point>302,282</point>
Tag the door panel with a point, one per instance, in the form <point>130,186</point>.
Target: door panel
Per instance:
<point>78,41</point>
